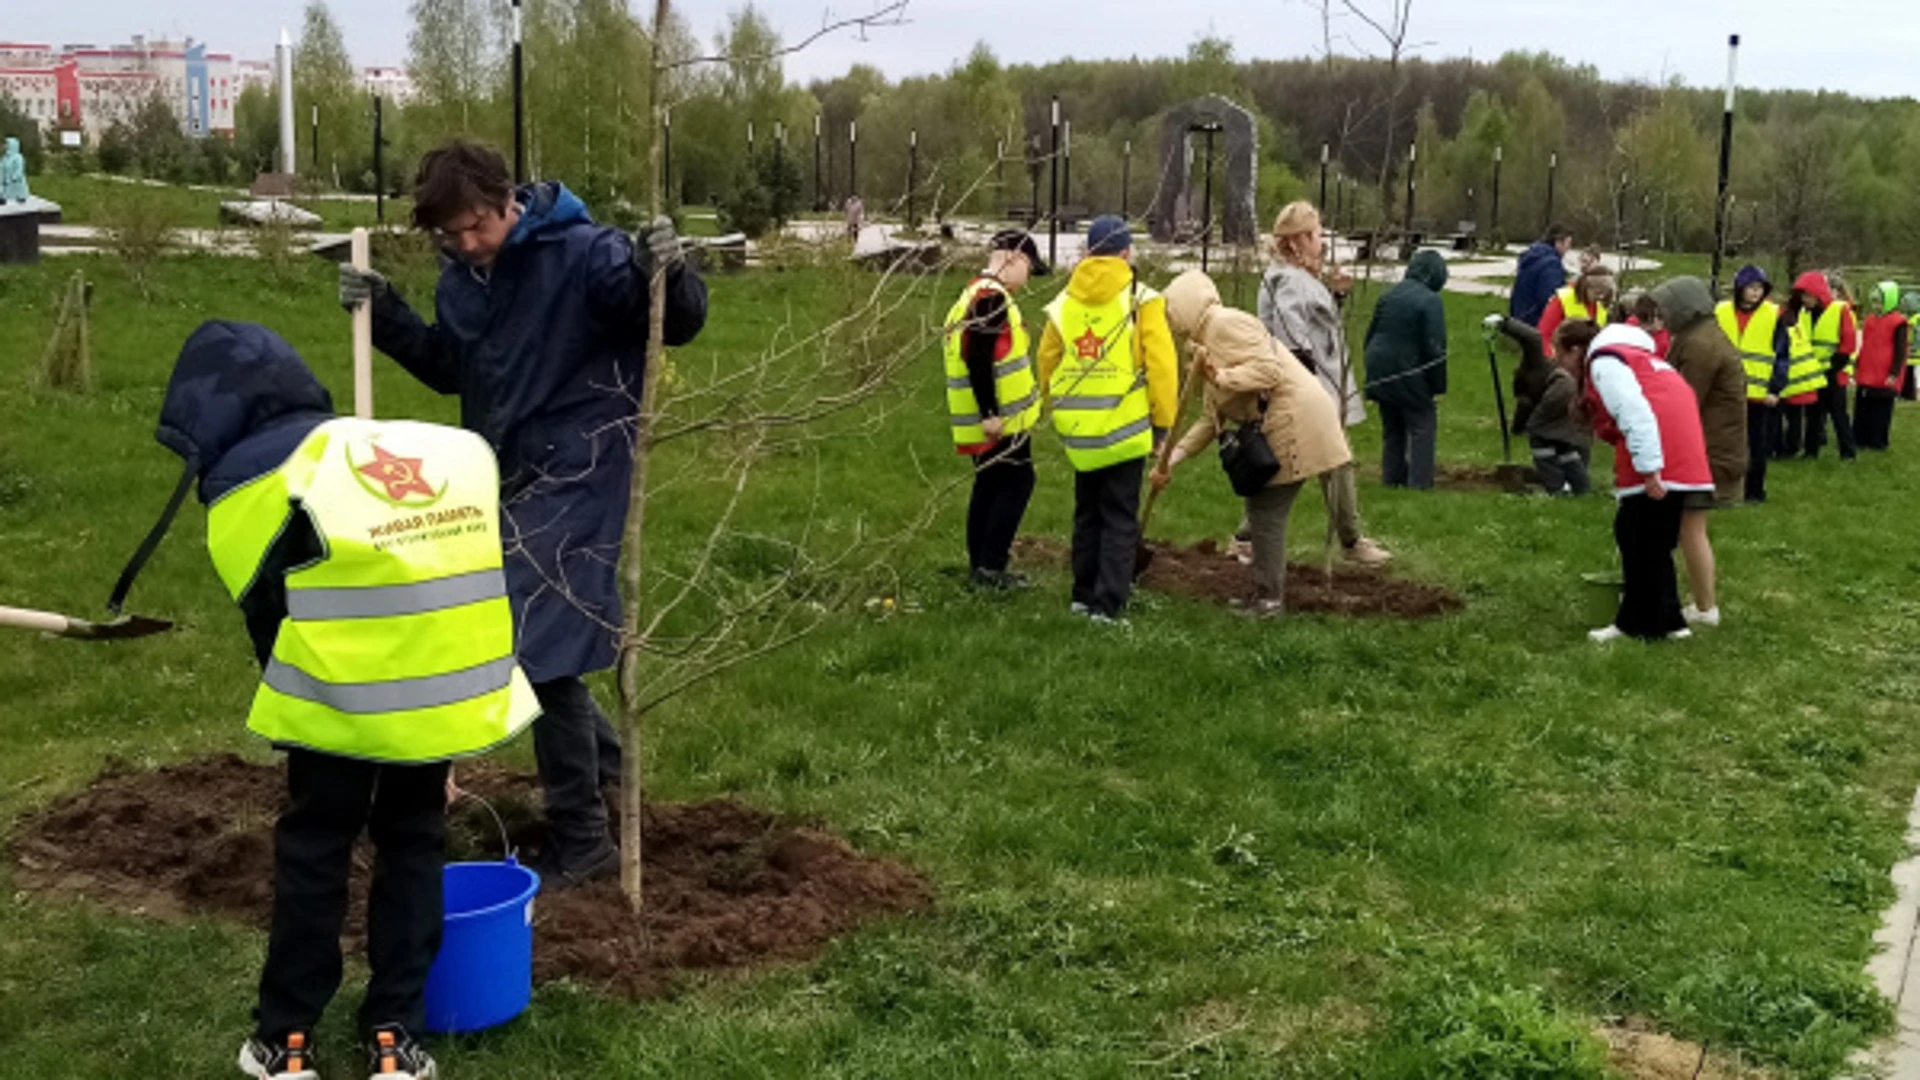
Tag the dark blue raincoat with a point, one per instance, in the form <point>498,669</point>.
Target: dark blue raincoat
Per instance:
<point>545,350</point>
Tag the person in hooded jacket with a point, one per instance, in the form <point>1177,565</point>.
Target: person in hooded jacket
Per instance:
<point>1251,377</point>
<point>1540,272</point>
<point>1751,324</point>
<point>293,495</point>
<point>1885,342</point>
<point>1823,338</point>
<point>1712,367</point>
<point>1641,405</point>
<point>541,324</point>
<point>1406,357</point>
<point>1110,374</point>
<point>1546,404</point>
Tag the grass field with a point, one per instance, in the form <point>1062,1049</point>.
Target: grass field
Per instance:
<point>84,200</point>
<point>1204,848</point>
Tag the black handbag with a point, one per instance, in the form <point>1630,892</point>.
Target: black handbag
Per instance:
<point>1247,456</point>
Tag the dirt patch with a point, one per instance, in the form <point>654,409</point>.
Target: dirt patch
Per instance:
<point>1639,1052</point>
<point>728,886</point>
<point>1206,572</point>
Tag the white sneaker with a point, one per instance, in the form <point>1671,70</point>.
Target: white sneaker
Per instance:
<point>291,1060</point>
<point>1367,552</point>
<point>1111,620</point>
<point>1605,634</point>
<point>1681,634</point>
<point>1696,617</point>
<point>1078,608</point>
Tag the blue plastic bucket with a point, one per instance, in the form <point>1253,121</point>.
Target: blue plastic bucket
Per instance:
<point>484,973</point>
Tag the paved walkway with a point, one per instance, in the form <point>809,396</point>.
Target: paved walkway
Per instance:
<point>1895,968</point>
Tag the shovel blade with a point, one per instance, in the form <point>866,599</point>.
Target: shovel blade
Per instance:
<point>124,627</point>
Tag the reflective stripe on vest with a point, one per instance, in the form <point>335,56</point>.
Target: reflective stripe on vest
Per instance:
<point>1099,389</point>
<point>1755,343</point>
<point>398,643</point>
<point>1806,371</point>
<point>1572,308</point>
<point>1015,388</point>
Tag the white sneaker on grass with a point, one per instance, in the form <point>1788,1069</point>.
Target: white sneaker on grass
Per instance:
<point>1681,634</point>
<point>1605,634</point>
<point>1696,617</point>
<point>290,1059</point>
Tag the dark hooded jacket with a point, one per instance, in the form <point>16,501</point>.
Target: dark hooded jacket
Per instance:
<point>546,349</point>
<point>1711,364</point>
<point>239,403</point>
<point>1546,400</point>
<point>1406,345</point>
<point>1539,274</point>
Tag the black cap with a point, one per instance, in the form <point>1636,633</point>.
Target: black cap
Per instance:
<point>1021,241</point>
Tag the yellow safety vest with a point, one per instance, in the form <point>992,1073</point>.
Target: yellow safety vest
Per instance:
<point>1572,308</point>
<point>1807,371</point>
<point>1826,336</point>
<point>1014,386</point>
<point>1755,344</point>
<point>1099,390</point>
<point>397,645</point>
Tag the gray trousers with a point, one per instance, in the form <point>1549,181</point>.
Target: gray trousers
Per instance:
<point>1267,515</point>
<point>1340,488</point>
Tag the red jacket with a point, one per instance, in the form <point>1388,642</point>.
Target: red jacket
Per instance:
<point>1669,405</point>
<point>1884,350</point>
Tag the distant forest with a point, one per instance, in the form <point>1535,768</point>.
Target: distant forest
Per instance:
<point>1818,178</point>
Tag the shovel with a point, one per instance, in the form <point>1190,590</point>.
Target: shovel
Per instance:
<point>1142,554</point>
<point>1512,477</point>
<point>126,626</point>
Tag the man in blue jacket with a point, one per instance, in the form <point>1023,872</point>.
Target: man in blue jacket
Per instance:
<point>541,329</point>
<point>1541,272</point>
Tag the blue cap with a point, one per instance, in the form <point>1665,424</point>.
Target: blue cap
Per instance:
<point>1108,235</point>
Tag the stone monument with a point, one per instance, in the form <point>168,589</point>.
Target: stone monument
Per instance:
<point>21,213</point>
<point>1235,138</point>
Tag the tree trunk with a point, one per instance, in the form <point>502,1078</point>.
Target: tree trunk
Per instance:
<point>632,778</point>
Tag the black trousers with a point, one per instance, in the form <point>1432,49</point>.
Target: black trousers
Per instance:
<point>1831,406</point>
<point>1002,487</point>
<point>1647,531</point>
<point>330,800</point>
<point>1762,421</point>
<point>1789,438</point>
<point>1407,438</point>
<point>577,753</point>
<point>1873,416</point>
<point>1106,530</point>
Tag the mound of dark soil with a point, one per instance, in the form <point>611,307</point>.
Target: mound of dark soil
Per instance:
<point>1205,572</point>
<point>1513,479</point>
<point>727,886</point>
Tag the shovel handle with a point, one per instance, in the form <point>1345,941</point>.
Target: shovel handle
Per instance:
<point>44,621</point>
<point>361,258</point>
<point>1166,448</point>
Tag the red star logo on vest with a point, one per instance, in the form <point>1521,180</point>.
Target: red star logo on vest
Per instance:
<point>1087,345</point>
<point>400,475</point>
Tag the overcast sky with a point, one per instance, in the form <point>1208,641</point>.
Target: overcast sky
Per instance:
<point>1855,47</point>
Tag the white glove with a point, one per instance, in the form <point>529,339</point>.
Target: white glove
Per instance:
<point>661,242</point>
<point>1493,323</point>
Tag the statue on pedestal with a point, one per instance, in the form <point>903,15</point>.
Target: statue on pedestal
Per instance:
<point>13,173</point>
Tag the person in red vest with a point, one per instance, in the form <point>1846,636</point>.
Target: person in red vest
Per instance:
<point>1641,405</point>
<point>1885,342</point>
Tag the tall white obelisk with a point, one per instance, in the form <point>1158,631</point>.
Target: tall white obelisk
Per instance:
<point>283,72</point>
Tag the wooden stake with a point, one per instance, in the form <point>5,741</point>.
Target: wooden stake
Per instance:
<point>362,333</point>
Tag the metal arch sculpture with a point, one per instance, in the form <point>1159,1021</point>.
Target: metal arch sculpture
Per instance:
<point>1238,224</point>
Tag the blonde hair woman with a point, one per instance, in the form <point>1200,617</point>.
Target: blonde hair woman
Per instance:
<point>1297,308</point>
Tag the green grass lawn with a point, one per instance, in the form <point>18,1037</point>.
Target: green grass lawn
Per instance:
<point>1307,848</point>
<point>85,200</point>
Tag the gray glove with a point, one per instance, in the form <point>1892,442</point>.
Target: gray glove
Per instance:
<point>360,286</point>
<point>662,243</point>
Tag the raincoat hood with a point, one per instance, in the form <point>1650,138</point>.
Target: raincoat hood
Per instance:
<point>1886,297</point>
<point>1683,302</point>
<point>547,208</point>
<point>1429,269</point>
<point>1099,278</point>
<point>1189,298</point>
<point>1750,275</point>
<point>1814,284</point>
<point>232,382</point>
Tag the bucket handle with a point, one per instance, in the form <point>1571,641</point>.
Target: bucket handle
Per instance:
<point>506,844</point>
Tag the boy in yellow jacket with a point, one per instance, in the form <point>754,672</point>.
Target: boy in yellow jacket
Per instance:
<point>1111,378</point>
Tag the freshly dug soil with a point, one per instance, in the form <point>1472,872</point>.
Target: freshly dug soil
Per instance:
<point>1514,479</point>
<point>1206,572</point>
<point>1639,1052</point>
<point>727,886</point>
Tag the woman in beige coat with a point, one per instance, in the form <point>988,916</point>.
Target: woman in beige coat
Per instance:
<point>1246,369</point>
